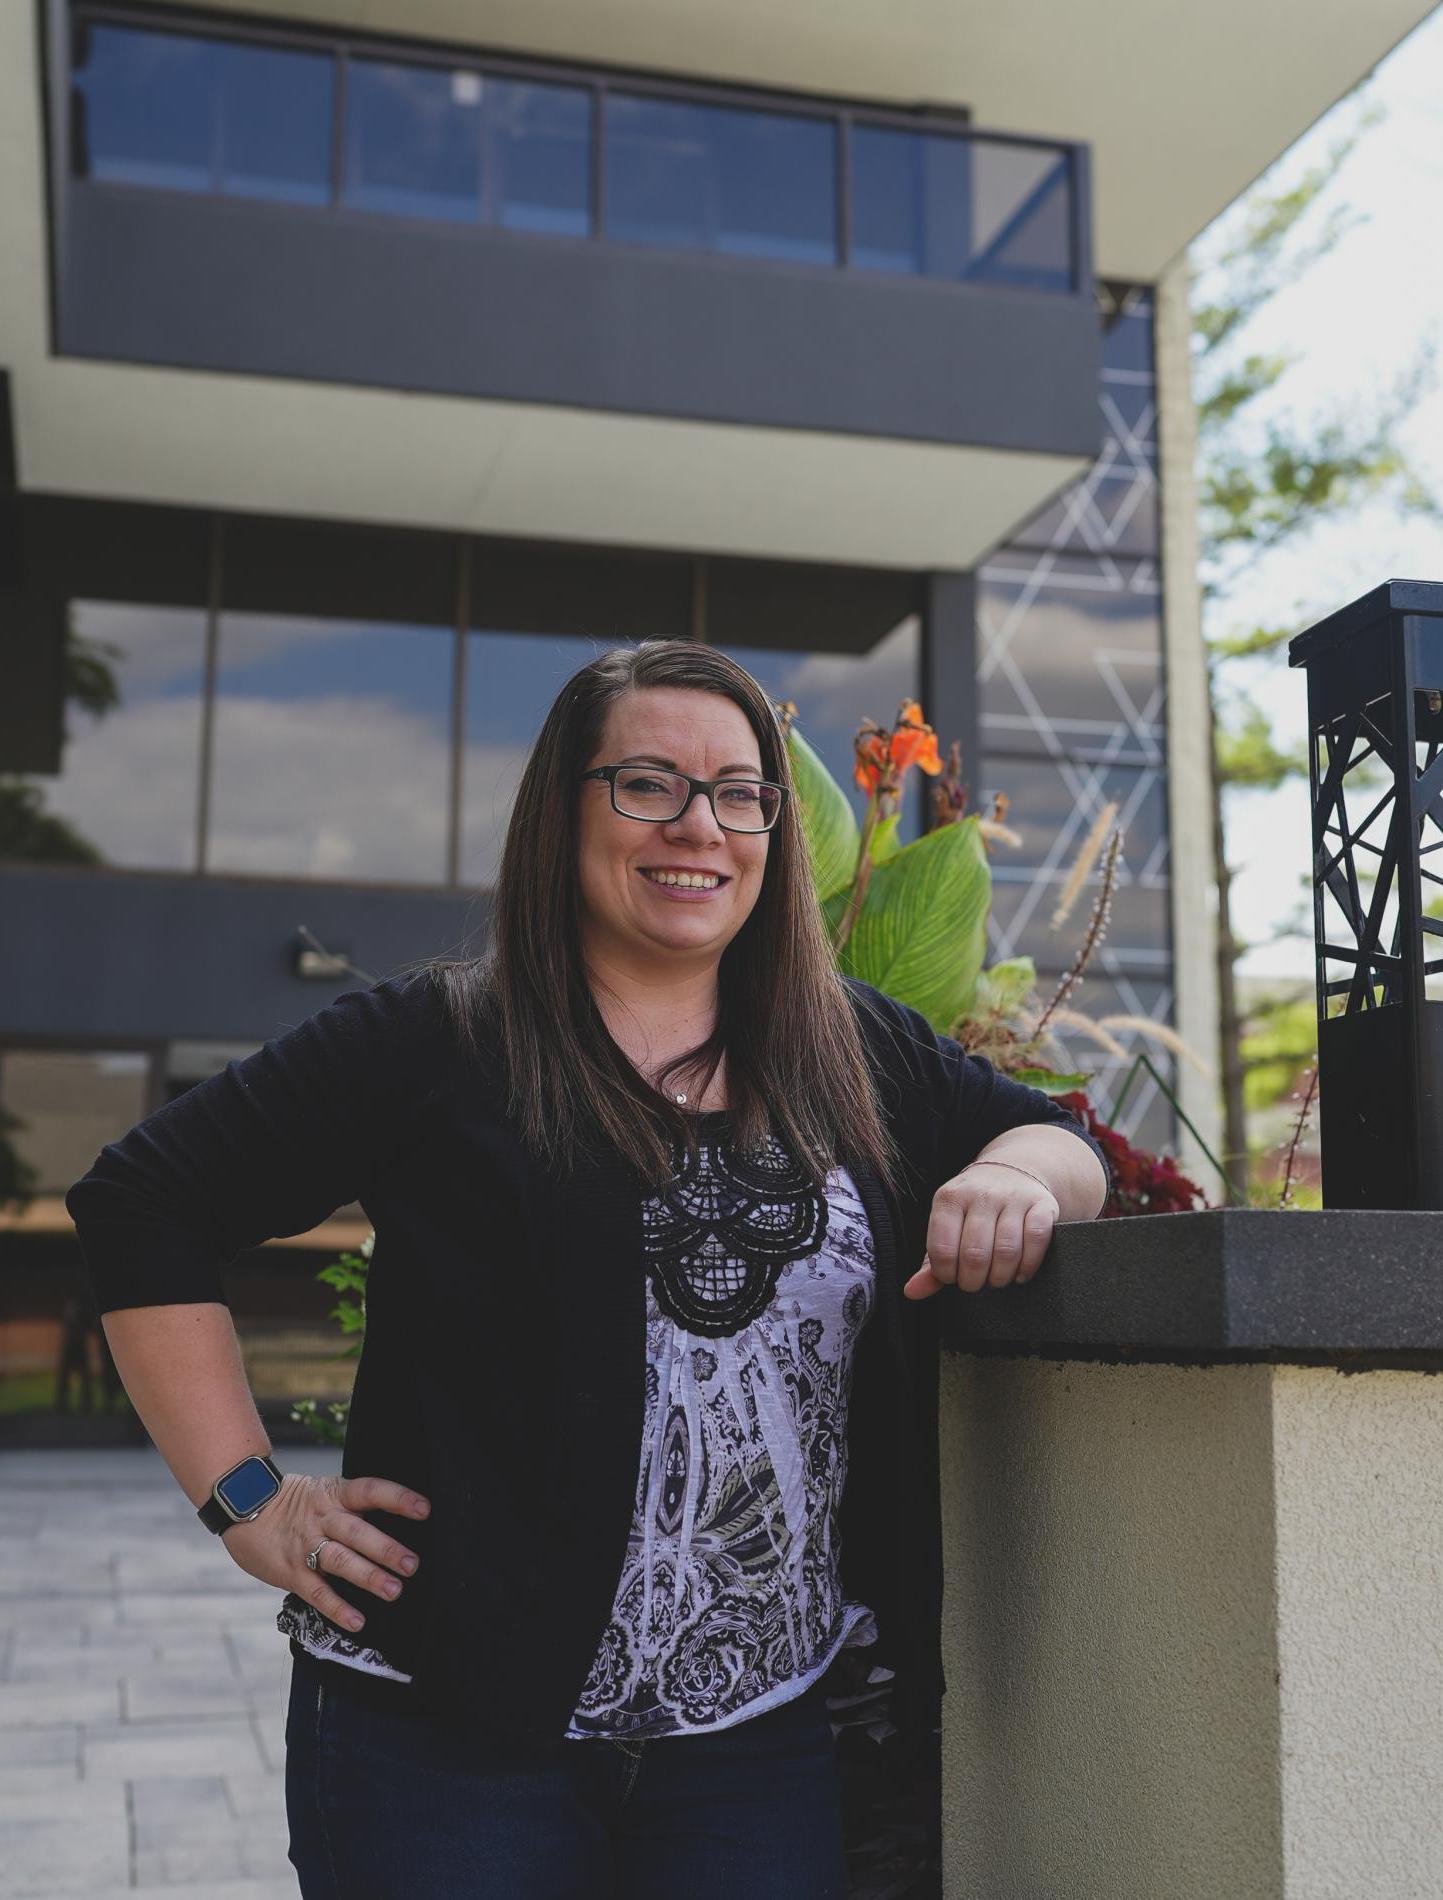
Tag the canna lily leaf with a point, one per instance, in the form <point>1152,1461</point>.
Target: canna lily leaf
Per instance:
<point>1049,1082</point>
<point>922,933</point>
<point>831,830</point>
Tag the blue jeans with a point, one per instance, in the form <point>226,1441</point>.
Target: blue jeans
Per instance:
<point>385,1806</point>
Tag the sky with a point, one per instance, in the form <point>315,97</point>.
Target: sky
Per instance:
<point>1354,324</point>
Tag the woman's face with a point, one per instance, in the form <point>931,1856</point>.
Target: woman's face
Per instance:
<point>629,914</point>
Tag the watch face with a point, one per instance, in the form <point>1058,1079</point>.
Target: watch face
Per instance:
<point>247,1487</point>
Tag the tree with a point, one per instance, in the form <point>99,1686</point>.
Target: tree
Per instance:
<point>29,834</point>
<point>1267,480</point>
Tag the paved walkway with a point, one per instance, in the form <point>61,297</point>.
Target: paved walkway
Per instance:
<point>142,1690</point>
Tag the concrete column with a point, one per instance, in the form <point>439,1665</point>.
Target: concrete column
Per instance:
<point>1194,890</point>
<point>1191,1632</point>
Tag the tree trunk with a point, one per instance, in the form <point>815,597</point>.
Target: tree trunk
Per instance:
<point>1230,1029</point>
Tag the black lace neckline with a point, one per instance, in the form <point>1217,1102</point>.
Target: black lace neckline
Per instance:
<point>718,1235</point>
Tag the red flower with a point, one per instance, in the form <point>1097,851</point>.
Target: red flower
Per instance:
<point>1142,1183</point>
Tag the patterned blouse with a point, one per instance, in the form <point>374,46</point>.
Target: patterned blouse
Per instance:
<point>729,1601</point>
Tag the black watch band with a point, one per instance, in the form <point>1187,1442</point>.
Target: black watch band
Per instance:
<point>240,1493</point>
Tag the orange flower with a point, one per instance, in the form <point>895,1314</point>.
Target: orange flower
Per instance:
<point>914,742</point>
<point>884,758</point>
<point>872,761</point>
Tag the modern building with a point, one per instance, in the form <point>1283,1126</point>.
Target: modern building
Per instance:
<point>365,369</point>
<point>366,366</point>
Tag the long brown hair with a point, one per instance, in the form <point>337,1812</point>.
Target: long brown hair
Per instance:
<point>794,1054</point>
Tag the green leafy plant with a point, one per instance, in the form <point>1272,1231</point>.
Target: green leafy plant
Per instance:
<point>348,1274</point>
<point>912,919</point>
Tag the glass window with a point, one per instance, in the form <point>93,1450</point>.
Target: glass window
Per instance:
<point>192,113</point>
<point>909,199</point>
<point>130,773</point>
<point>413,140</point>
<point>939,205</point>
<point>835,692</point>
<point>721,178</point>
<point>511,680</point>
<point>331,750</point>
<point>538,157</point>
<point>62,1107</point>
<point>1021,217</point>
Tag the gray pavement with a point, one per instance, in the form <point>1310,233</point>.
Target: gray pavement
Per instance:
<point>142,1689</point>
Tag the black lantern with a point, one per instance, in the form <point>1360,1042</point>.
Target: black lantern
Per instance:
<point>1375,743</point>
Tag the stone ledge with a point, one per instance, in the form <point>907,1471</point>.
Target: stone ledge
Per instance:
<point>1355,1288</point>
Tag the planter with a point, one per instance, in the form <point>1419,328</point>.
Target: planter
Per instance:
<point>1194,1548</point>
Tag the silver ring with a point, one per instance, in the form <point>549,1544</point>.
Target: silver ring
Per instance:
<point>311,1560</point>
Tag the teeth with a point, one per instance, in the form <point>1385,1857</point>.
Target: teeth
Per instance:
<point>686,880</point>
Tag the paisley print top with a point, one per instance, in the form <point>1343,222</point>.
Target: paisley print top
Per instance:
<point>729,1601</point>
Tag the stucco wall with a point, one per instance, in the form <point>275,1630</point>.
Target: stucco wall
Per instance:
<point>1111,1727</point>
<point>1359,1479</point>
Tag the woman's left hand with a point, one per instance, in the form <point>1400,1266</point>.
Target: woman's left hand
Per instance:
<point>990,1226</point>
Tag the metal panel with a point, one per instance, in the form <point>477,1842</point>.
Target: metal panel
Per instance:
<point>107,958</point>
<point>161,278</point>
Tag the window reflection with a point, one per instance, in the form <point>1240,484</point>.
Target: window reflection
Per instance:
<point>538,158</point>
<point>1021,217</point>
<point>720,178</point>
<point>330,750</point>
<point>62,1106</point>
<point>135,680</point>
<point>511,680</point>
<point>413,140</point>
<point>193,113</point>
<point>937,206</point>
<point>835,692</point>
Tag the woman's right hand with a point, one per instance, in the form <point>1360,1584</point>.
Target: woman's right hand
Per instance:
<point>273,1546</point>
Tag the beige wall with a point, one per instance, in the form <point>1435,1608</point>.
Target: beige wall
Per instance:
<point>1111,1728</point>
<point>1193,1632</point>
<point>1194,888</point>
<point>1359,1479</point>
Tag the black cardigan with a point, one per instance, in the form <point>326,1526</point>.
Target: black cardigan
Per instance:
<point>503,1368</point>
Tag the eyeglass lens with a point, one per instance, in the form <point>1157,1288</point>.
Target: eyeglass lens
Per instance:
<point>740,804</point>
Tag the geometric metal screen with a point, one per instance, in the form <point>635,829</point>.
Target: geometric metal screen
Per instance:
<point>1072,716</point>
<point>1367,914</point>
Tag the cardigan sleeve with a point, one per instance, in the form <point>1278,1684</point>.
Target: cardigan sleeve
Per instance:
<point>268,1147</point>
<point>968,1101</point>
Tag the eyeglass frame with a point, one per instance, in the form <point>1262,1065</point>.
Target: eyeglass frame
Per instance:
<point>694,786</point>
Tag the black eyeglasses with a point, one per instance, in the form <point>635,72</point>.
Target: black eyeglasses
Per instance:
<point>657,797</point>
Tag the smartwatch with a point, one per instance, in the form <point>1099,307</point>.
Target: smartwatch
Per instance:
<point>241,1494</point>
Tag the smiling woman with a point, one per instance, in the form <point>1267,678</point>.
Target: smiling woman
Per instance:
<point>644,1436</point>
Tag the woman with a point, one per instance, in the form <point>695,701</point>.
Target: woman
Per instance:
<point>652,1180</point>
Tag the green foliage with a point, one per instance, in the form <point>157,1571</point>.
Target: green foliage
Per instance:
<point>922,933</point>
<point>1248,754</point>
<point>1278,1045</point>
<point>326,1424</point>
<point>18,1180</point>
<point>1049,1081</point>
<point>31,835</point>
<point>833,839</point>
<point>348,1274</point>
<point>1004,987</point>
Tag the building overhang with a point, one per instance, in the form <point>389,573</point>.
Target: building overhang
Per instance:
<point>1183,106</point>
